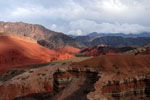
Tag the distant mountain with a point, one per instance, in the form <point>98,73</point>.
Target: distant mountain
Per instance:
<point>93,34</point>
<point>115,41</point>
<point>143,34</point>
<point>49,38</point>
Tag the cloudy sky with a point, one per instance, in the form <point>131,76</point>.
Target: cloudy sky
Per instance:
<point>80,17</point>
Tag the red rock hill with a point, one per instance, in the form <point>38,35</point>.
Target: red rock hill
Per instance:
<point>17,51</point>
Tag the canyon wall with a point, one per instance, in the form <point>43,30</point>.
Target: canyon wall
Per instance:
<point>136,85</point>
<point>49,83</point>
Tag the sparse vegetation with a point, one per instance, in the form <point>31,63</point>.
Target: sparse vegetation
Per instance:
<point>76,59</point>
<point>130,71</point>
<point>95,66</point>
<point>39,74</point>
<point>86,66</point>
<point>102,67</point>
<point>43,74</point>
<point>10,74</point>
<point>80,55</point>
<point>148,73</point>
<point>118,72</point>
<point>34,66</point>
<point>63,63</point>
<point>24,78</point>
<point>30,71</point>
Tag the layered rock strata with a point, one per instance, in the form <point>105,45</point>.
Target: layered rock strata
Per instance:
<point>136,85</point>
<point>48,82</point>
<point>63,76</point>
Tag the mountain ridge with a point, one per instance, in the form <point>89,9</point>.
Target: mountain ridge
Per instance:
<point>39,32</point>
<point>116,40</point>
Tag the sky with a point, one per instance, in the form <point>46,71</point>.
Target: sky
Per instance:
<point>80,17</point>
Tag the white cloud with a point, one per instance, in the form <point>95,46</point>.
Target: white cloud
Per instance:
<point>53,26</point>
<point>87,26</point>
<point>69,11</point>
<point>82,16</point>
<point>76,32</point>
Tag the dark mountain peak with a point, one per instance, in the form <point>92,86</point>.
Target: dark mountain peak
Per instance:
<point>93,34</point>
<point>142,34</point>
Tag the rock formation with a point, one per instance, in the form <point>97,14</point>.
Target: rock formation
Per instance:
<point>50,81</point>
<point>99,78</point>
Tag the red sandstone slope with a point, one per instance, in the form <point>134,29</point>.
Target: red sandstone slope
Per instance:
<point>69,49</point>
<point>15,51</point>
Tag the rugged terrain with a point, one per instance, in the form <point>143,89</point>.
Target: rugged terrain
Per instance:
<point>105,50</point>
<point>45,37</point>
<point>107,77</point>
<point>29,71</point>
<point>123,76</point>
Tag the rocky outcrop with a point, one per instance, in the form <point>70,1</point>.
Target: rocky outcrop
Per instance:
<point>64,76</point>
<point>34,81</point>
<point>139,51</point>
<point>104,50</point>
<point>49,82</point>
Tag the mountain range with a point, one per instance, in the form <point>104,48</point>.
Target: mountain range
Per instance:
<point>44,36</point>
<point>115,40</point>
<point>142,34</point>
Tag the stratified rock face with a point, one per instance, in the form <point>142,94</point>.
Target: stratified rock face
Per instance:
<point>33,81</point>
<point>50,83</point>
<point>38,32</point>
<point>119,75</point>
<point>63,76</point>
<point>137,85</point>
